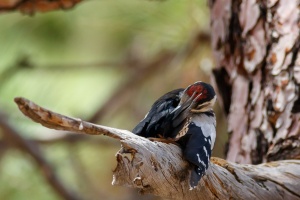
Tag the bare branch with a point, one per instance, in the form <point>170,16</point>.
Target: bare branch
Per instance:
<point>150,165</point>
<point>32,6</point>
<point>57,121</point>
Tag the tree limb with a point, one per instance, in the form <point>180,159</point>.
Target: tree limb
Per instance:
<point>32,6</point>
<point>150,165</point>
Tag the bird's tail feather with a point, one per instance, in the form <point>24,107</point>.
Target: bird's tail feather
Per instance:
<point>196,175</point>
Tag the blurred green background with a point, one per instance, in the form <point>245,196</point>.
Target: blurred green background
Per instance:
<point>114,58</point>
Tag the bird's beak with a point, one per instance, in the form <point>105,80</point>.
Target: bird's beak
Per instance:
<point>183,109</point>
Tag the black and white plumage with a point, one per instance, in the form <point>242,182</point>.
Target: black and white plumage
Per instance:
<point>151,125</point>
<point>186,117</point>
<point>198,143</point>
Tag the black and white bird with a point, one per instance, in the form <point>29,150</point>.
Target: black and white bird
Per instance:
<point>186,117</point>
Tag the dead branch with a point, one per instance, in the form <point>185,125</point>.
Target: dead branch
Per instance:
<point>11,136</point>
<point>150,165</point>
<point>32,6</point>
<point>57,121</point>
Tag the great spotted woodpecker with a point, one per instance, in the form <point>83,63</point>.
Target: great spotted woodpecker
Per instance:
<point>186,117</point>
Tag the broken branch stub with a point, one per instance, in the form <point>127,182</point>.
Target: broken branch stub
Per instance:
<point>159,168</point>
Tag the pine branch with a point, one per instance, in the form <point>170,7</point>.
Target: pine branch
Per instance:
<point>159,169</point>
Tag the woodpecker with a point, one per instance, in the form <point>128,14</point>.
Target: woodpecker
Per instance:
<point>186,117</point>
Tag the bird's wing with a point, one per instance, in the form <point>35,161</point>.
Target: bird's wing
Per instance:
<point>153,123</point>
<point>197,150</point>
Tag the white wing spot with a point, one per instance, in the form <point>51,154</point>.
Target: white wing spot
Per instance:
<point>204,148</point>
<point>203,164</point>
<point>198,157</point>
<point>200,161</point>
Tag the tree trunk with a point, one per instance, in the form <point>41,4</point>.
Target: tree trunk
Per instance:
<point>256,46</point>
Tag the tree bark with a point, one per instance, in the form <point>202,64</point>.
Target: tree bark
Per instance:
<point>150,165</point>
<point>256,46</point>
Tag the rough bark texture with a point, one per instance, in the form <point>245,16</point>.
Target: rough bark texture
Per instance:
<point>256,46</point>
<point>159,169</point>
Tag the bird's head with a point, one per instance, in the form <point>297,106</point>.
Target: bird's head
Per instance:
<point>200,97</point>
